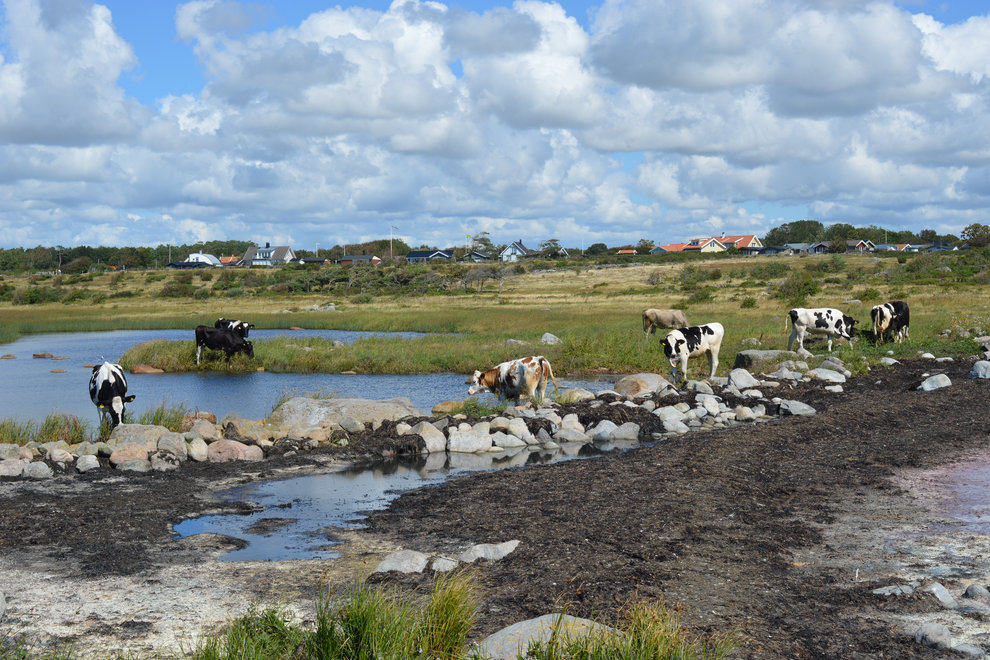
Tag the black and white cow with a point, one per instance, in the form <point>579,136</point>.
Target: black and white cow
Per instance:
<point>240,327</point>
<point>221,339</point>
<point>893,316</point>
<point>693,341</point>
<point>826,321</point>
<point>108,391</point>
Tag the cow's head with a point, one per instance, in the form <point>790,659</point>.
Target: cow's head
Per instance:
<point>115,408</point>
<point>249,348</point>
<point>849,327</point>
<point>475,383</point>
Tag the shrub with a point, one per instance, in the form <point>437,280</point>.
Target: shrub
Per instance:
<point>362,298</point>
<point>655,278</point>
<point>796,288</point>
<point>748,302</point>
<point>869,293</point>
<point>701,295</point>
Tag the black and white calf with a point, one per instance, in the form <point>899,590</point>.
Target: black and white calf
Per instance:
<point>108,391</point>
<point>893,316</point>
<point>221,339</point>
<point>240,327</point>
<point>826,321</point>
<point>693,341</point>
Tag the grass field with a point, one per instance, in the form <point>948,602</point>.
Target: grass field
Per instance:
<point>594,310</point>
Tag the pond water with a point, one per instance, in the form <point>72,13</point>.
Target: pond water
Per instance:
<point>296,517</point>
<point>30,391</point>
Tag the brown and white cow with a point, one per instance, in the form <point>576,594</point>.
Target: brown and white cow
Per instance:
<point>510,380</point>
<point>662,318</point>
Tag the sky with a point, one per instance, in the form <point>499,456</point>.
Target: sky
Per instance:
<point>312,124</point>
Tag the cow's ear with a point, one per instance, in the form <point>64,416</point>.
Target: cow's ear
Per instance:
<point>128,398</point>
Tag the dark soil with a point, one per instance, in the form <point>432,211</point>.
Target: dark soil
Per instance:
<point>730,526</point>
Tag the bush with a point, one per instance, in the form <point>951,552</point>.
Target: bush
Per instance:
<point>869,293</point>
<point>748,302</point>
<point>796,288</point>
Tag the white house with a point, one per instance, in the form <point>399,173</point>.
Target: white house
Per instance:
<point>514,251</point>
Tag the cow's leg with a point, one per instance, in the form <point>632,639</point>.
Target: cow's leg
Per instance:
<point>199,352</point>
<point>829,343</point>
<point>712,361</point>
<point>790,340</point>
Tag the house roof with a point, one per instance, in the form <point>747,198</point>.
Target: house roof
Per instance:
<point>626,252</point>
<point>229,260</point>
<point>426,254</point>
<point>518,245</point>
<point>359,257</point>
<point>740,241</point>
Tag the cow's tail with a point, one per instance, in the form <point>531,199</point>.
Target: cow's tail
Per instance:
<point>646,324</point>
<point>548,372</point>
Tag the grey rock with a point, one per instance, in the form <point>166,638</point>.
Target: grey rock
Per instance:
<point>518,428</point>
<point>889,361</point>
<point>514,342</point>
<point>571,435</point>
<point>742,379</point>
<point>753,357</point>
<point>699,386</point>
<point>403,561</point>
<point>351,424</point>
<point>137,434</point>
<point>575,395</point>
<point>58,455</point>
<point>511,642</point>
<point>550,339</point>
<point>162,461</point>
<point>490,551</point>
<point>744,414</point>
<point>934,635</point>
<point>87,462</point>
<point>37,470</point>
<point>306,413</point>
<point>796,408</point>
<point>827,375</point>
<point>197,450</point>
<point>675,426</point>
<point>669,412</point>
<point>935,382</point>
<point>134,466</point>
<point>978,592</point>
<point>175,444</point>
<point>981,369</point>
<point>603,430</point>
<point>627,431</point>
<point>970,650</point>
<point>433,439</point>
<point>10,450</point>
<point>3,605</point>
<point>895,590</point>
<point>644,383</point>
<point>443,564</point>
<point>506,441</point>
<point>943,596</point>
<point>12,467</point>
<point>468,442</point>
<point>928,356</point>
<point>836,389</point>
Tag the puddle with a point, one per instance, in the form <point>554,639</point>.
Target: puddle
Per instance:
<point>296,518</point>
<point>958,494</point>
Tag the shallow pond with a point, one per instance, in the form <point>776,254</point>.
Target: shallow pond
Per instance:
<point>29,390</point>
<point>296,517</point>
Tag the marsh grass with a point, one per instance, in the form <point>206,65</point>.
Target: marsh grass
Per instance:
<point>56,427</point>
<point>377,622</point>
<point>646,630</point>
<point>164,414</point>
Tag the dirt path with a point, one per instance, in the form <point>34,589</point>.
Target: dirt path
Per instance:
<point>778,531</point>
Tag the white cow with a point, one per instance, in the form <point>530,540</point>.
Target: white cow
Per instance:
<point>693,341</point>
<point>108,392</point>
<point>826,321</point>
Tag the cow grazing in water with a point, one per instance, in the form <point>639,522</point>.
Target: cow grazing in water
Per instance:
<point>826,321</point>
<point>240,327</point>
<point>693,341</point>
<point>893,316</point>
<point>221,339</point>
<point>108,391</point>
<point>662,318</point>
<point>510,380</point>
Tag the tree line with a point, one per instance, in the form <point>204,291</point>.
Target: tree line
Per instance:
<point>85,258</point>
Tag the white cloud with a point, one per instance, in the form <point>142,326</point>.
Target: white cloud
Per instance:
<point>451,121</point>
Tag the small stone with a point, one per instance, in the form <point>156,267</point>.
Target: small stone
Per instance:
<point>87,462</point>
<point>934,635</point>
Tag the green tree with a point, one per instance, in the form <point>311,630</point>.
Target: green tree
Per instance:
<point>550,247</point>
<point>977,235</point>
<point>799,231</point>
<point>644,246</point>
<point>596,249</point>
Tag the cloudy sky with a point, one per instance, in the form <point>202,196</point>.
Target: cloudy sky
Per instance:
<point>305,123</point>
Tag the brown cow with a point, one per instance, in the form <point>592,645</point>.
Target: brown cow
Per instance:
<point>510,380</point>
<point>662,318</point>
